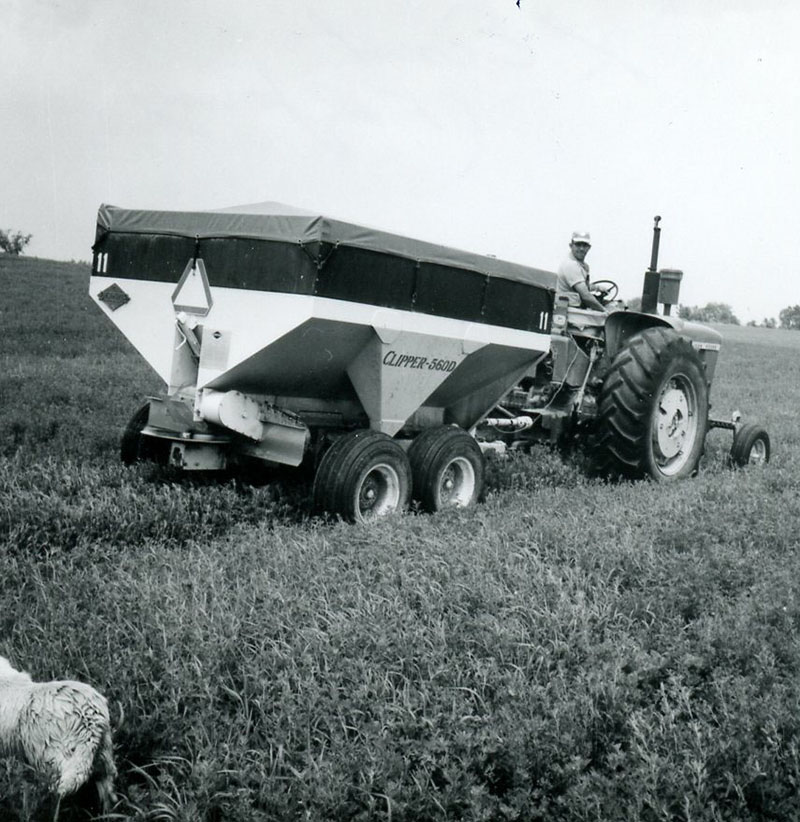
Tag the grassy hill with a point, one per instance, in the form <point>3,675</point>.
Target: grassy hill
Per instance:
<point>569,650</point>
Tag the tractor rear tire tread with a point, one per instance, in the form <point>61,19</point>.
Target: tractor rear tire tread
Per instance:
<point>623,442</point>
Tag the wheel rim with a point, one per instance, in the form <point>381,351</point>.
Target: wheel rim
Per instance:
<point>758,453</point>
<point>676,425</point>
<point>457,483</point>
<point>378,493</point>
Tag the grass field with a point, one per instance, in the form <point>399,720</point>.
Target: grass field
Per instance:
<point>569,650</point>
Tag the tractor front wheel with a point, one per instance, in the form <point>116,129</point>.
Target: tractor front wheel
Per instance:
<point>751,446</point>
<point>448,468</point>
<point>362,476</point>
<point>653,409</point>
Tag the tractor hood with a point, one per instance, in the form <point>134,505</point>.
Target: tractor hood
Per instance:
<point>696,332</point>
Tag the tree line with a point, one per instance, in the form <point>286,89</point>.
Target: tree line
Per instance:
<point>789,317</point>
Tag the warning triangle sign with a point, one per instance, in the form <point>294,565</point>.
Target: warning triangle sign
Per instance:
<point>192,294</point>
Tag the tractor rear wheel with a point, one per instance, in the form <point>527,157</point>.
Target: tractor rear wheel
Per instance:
<point>751,446</point>
<point>653,409</point>
<point>362,476</point>
<point>447,467</point>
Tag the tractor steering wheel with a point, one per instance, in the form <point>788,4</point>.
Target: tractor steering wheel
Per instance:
<point>605,290</point>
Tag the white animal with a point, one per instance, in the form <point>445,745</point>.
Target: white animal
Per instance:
<point>61,729</point>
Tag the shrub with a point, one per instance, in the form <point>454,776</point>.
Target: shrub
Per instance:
<point>14,243</point>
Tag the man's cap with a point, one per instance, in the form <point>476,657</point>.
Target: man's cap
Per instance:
<point>581,237</point>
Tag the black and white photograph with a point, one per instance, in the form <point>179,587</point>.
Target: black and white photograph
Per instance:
<point>399,411</point>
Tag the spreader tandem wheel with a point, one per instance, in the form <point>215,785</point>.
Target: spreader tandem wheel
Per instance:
<point>135,446</point>
<point>653,410</point>
<point>363,475</point>
<point>447,467</point>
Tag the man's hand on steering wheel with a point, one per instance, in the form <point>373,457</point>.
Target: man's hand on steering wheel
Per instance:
<point>604,290</point>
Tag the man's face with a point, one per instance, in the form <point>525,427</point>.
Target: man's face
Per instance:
<point>580,250</point>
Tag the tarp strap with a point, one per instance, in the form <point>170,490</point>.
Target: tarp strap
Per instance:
<point>417,266</point>
<point>322,260</point>
<point>318,260</point>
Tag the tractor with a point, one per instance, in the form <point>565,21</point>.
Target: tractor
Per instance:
<point>633,386</point>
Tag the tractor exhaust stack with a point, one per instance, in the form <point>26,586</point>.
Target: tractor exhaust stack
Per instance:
<point>651,276</point>
<point>660,286</point>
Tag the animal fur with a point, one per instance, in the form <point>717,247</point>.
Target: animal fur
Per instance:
<point>61,729</point>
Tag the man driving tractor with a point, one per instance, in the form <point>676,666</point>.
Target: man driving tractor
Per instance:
<point>573,274</point>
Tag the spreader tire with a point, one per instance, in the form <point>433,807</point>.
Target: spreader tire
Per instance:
<point>447,467</point>
<point>751,446</point>
<point>134,447</point>
<point>363,475</point>
<point>653,409</point>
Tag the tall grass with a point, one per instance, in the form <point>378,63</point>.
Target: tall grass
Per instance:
<point>569,650</point>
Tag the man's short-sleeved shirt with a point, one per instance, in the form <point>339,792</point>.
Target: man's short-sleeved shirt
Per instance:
<point>570,273</point>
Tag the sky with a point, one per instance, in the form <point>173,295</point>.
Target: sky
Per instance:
<point>478,124</point>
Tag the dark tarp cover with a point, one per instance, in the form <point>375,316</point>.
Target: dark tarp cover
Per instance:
<point>281,223</point>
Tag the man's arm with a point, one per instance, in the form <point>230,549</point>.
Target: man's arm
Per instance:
<point>588,299</point>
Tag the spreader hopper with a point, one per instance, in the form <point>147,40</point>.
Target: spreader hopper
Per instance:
<point>282,335</point>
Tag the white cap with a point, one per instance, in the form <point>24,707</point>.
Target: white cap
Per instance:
<point>581,237</point>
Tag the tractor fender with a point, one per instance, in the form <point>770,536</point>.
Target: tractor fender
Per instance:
<point>622,325</point>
